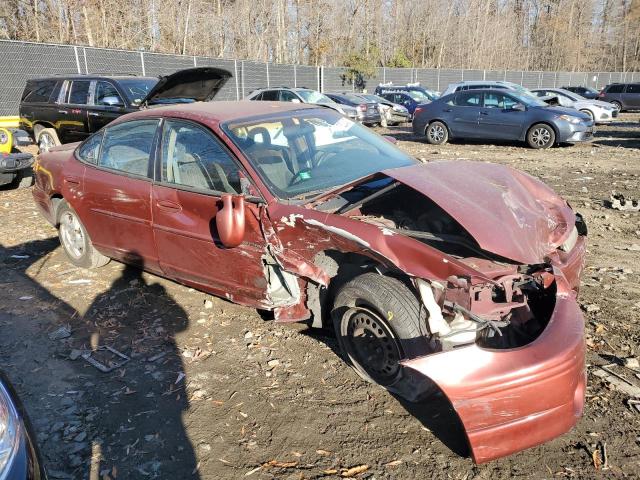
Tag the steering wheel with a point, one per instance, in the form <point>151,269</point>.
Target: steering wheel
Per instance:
<point>300,176</point>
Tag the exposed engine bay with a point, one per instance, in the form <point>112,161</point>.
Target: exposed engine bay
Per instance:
<point>510,312</point>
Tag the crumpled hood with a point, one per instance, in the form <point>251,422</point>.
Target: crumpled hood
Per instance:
<point>508,212</point>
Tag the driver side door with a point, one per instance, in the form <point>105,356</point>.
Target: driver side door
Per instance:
<point>193,170</point>
<point>498,119</point>
<point>107,105</point>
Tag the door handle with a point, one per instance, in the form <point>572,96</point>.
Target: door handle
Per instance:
<point>72,180</point>
<point>63,111</point>
<point>484,113</point>
<point>446,110</point>
<point>169,206</point>
<point>94,114</point>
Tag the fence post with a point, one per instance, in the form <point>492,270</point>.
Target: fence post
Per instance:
<point>242,74</point>
<point>484,75</point>
<point>75,50</point>
<point>522,78</point>
<point>321,77</point>
<point>267,64</point>
<point>384,75</point>
<point>235,74</point>
<point>295,76</point>
<point>438,79</point>
<point>195,63</point>
<point>144,71</point>
<point>84,54</point>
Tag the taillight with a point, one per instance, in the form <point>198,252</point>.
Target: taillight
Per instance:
<point>600,94</point>
<point>417,110</point>
<point>362,107</point>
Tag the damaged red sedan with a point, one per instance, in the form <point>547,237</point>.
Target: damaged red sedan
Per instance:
<point>458,276</point>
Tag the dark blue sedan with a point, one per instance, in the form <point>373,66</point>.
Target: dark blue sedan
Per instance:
<point>500,115</point>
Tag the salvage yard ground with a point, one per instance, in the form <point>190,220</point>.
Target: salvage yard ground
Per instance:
<point>215,391</point>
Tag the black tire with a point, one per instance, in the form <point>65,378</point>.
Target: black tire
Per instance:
<point>47,138</point>
<point>590,113</point>
<point>75,240</point>
<point>437,133</point>
<point>617,104</point>
<point>540,136</point>
<point>379,321</point>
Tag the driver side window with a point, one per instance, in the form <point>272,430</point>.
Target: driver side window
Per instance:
<point>104,90</point>
<point>193,158</point>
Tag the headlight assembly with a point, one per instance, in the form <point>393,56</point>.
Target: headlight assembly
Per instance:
<point>9,432</point>
<point>4,137</point>
<point>570,118</point>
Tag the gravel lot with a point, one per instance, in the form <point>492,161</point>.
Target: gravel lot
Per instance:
<point>216,391</point>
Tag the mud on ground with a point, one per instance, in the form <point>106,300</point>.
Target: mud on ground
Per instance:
<point>217,391</point>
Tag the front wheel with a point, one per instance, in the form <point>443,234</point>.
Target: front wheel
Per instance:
<point>379,321</point>
<point>437,133</point>
<point>75,240</point>
<point>47,139</point>
<point>541,136</point>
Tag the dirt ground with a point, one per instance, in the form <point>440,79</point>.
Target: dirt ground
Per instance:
<point>217,391</point>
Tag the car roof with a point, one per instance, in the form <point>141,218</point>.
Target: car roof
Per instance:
<point>91,76</point>
<point>219,111</point>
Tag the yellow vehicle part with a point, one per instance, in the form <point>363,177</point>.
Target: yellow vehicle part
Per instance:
<point>6,140</point>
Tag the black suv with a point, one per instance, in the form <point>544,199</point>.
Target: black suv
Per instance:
<point>625,96</point>
<point>63,109</point>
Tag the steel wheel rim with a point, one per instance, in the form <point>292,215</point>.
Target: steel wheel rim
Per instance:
<point>72,235</point>
<point>436,133</point>
<point>541,136</point>
<point>370,340</point>
<point>45,143</point>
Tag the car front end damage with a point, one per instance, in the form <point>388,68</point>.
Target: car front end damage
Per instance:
<point>14,165</point>
<point>498,278</point>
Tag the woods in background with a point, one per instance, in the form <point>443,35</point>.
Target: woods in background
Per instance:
<point>570,35</point>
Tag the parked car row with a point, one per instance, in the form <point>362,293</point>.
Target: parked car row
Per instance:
<point>64,109</point>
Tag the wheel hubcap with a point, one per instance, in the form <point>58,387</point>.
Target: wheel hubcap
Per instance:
<point>72,236</point>
<point>373,344</point>
<point>45,143</point>
<point>541,137</point>
<point>436,133</point>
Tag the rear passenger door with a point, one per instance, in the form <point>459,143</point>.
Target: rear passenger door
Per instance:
<point>194,170</point>
<point>107,105</point>
<point>116,203</point>
<point>463,114</point>
<point>72,123</point>
<point>631,96</point>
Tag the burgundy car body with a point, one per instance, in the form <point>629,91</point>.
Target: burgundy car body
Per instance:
<point>508,399</point>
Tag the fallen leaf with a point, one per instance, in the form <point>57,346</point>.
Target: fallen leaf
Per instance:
<point>393,463</point>
<point>331,471</point>
<point>277,464</point>
<point>597,461</point>
<point>323,452</point>
<point>353,471</point>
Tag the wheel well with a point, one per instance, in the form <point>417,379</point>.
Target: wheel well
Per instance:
<point>38,127</point>
<point>437,120</point>
<point>56,201</point>
<point>341,268</point>
<point>590,112</point>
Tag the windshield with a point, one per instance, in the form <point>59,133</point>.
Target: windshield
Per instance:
<point>571,95</point>
<point>137,88</point>
<point>304,153</point>
<point>418,96</point>
<point>311,96</point>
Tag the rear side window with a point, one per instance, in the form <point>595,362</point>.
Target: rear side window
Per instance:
<point>127,146</point>
<point>89,150</point>
<point>270,95</point>
<point>619,88</point>
<point>79,92</point>
<point>39,91</point>
<point>468,99</point>
<point>633,88</point>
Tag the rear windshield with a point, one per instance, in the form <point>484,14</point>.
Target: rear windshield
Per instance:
<point>137,88</point>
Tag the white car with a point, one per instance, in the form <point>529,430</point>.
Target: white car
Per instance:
<point>599,111</point>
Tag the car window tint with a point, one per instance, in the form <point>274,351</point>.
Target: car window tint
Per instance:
<point>633,88</point>
<point>287,96</point>
<point>498,100</point>
<point>79,92</point>
<point>270,95</point>
<point>192,157</point>
<point>90,149</point>
<point>41,92</point>
<point>468,99</point>
<point>618,88</point>
<point>104,90</point>
<point>126,146</point>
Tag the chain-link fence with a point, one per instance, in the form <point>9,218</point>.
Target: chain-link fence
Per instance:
<point>24,60</point>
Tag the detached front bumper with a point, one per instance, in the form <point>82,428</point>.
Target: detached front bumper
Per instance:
<point>509,400</point>
<point>12,164</point>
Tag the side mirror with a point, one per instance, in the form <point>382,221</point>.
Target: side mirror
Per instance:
<point>112,101</point>
<point>390,139</point>
<point>519,107</point>
<point>230,220</point>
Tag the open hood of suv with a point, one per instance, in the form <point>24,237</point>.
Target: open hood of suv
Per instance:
<point>192,84</point>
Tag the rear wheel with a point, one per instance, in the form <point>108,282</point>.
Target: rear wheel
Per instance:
<point>47,139</point>
<point>75,240</point>
<point>541,135</point>
<point>618,105</point>
<point>379,321</point>
<point>437,133</point>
